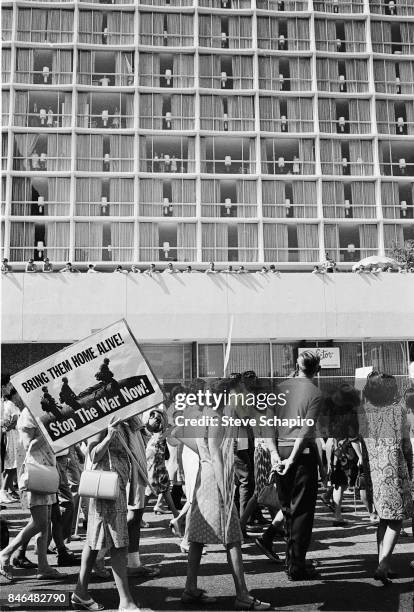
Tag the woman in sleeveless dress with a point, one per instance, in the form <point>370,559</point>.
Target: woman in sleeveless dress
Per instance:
<point>107,521</point>
<point>383,425</point>
<point>39,504</point>
<point>213,518</point>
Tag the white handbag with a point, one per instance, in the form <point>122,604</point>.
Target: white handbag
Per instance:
<point>38,478</point>
<point>99,484</point>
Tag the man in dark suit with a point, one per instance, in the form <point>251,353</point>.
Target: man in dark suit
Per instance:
<point>294,462</point>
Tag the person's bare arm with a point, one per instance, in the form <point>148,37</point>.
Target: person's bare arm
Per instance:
<point>217,462</point>
<point>99,444</point>
<point>269,435</point>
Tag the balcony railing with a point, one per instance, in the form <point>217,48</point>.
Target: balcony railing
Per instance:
<point>160,80</point>
<point>107,37</point>
<point>103,209</point>
<point>400,128</point>
<point>358,168</point>
<point>384,7</point>
<point>227,124</point>
<point>232,254</point>
<point>339,6</point>
<point>168,209</point>
<point>106,253</point>
<point>38,77</point>
<point>150,254</point>
<point>282,5</point>
<point>101,164</point>
<point>167,40</point>
<point>282,83</point>
<point>168,164</point>
<point>291,255</point>
<point>45,36</point>
<point>36,120</point>
<point>108,1</point>
<point>44,208</point>
<point>395,87</point>
<point>396,48</point>
<point>165,2</point>
<point>343,86</point>
<point>400,168</point>
<point>349,211</point>
<point>226,4</point>
<point>107,79</point>
<point>275,166</point>
<point>42,163</point>
<point>398,212</point>
<point>289,210</point>
<point>236,166</point>
<point>229,83</point>
<point>109,121</point>
<point>344,127</point>
<point>55,254</point>
<point>228,42</point>
<point>286,125</point>
<point>341,46</point>
<point>229,210</point>
<point>288,44</point>
<point>160,122</point>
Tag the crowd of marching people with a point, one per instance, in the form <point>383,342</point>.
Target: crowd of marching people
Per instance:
<point>215,482</point>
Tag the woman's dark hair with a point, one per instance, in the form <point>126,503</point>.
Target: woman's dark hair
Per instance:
<point>12,391</point>
<point>409,398</point>
<point>381,389</point>
<point>176,390</point>
<point>346,397</point>
<point>309,363</point>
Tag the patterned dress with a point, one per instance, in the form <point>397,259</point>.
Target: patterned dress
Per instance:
<point>42,455</point>
<point>107,519</point>
<point>385,432</point>
<point>11,412</point>
<point>214,519</point>
<point>262,467</point>
<point>157,471</point>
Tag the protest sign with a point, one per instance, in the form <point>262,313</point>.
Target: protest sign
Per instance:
<point>75,393</point>
<point>361,375</point>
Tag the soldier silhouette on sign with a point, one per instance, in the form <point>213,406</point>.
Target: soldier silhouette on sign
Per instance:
<point>104,374</point>
<point>48,404</point>
<point>67,396</point>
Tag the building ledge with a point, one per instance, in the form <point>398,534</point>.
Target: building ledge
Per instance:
<point>66,307</point>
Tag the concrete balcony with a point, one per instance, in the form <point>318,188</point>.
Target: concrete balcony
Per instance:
<point>66,307</point>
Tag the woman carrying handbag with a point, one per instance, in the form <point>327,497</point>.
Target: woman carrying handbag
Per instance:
<point>39,468</point>
<point>107,518</point>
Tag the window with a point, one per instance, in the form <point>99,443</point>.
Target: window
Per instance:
<point>167,154</point>
<point>227,113</point>
<point>225,242</point>
<point>172,363</point>
<point>45,26</point>
<point>228,155</point>
<point>287,156</point>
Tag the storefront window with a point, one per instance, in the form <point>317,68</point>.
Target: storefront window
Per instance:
<point>250,357</point>
<point>170,362</point>
<point>388,357</point>
<point>284,359</point>
<point>210,360</point>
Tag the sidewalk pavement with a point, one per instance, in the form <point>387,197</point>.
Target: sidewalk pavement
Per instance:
<point>346,556</point>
